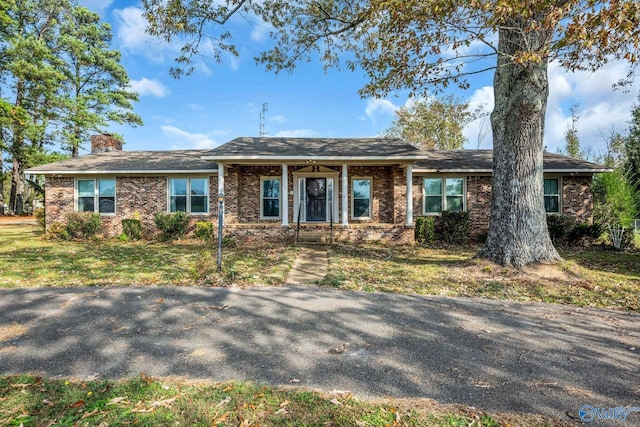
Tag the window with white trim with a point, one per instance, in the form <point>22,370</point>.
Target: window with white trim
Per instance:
<point>270,198</point>
<point>361,198</point>
<point>552,195</point>
<point>442,194</point>
<point>189,195</point>
<point>96,195</point>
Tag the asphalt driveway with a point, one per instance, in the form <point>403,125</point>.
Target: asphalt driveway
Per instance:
<point>495,355</point>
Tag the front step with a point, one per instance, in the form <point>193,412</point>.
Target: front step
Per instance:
<point>314,237</point>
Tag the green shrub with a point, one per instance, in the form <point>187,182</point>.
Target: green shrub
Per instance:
<point>83,225</point>
<point>132,229</point>
<point>40,216</point>
<point>172,225</point>
<point>614,200</point>
<point>583,234</point>
<point>425,229</point>
<point>57,231</point>
<point>204,231</point>
<point>454,226</point>
<point>559,227</point>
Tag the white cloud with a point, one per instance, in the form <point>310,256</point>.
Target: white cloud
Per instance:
<point>184,139</point>
<point>379,107</point>
<point>478,132</point>
<point>261,31</point>
<point>278,119</point>
<point>146,86</point>
<point>98,6</point>
<point>296,133</point>
<point>131,33</point>
<point>601,107</point>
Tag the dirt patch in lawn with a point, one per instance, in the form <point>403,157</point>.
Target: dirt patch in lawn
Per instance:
<point>544,274</point>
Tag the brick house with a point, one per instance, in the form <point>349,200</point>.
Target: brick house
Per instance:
<point>359,188</point>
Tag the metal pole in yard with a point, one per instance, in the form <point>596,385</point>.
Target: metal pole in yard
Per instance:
<point>220,224</point>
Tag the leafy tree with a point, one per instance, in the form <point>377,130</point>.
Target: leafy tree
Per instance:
<point>29,78</point>
<point>433,123</point>
<point>614,203</point>
<point>418,45</point>
<point>59,81</point>
<point>95,87</point>
<point>614,155</point>
<point>632,151</point>
<point>571,135</point>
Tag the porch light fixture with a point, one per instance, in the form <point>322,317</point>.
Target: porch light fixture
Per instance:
<point>220,223</point>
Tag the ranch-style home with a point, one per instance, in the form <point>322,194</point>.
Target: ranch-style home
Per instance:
<point>355,188</point>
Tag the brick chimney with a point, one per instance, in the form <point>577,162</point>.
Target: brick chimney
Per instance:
<point>105,142</point>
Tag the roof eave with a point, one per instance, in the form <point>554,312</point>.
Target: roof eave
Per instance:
<point>118,172</point>
<point>313,158</point>
<point>424,170</point>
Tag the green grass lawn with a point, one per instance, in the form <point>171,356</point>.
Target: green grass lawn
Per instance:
<point>26,259</point>
<point>587,276</point>
<point>591,277</point>
<point>27,400</point>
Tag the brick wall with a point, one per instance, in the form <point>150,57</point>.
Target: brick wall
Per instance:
<point>58,199</point>
<point>399,195</point>
<point>382,192</point>
<point>577,199</point>
<point>147,195</point>
<point>249,191</point>
<point>102,143</point>
<point>479,202</point>
<point>397,235</point>
<point>244,195</point>
<point>141,196</point>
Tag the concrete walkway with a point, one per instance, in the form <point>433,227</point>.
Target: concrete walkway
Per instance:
<point>500,356</point>
<point>309,267</point>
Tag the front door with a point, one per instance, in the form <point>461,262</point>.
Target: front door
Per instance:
<point>316,189</point>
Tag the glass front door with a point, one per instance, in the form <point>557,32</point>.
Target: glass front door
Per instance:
<point>316,203</point>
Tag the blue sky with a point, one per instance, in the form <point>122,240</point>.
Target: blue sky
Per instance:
<point>222,101</point>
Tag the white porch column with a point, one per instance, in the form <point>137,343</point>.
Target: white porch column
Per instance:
<point>345,196</point>
<point>220,179</point>
<point>285,195</point>
<point>409,195</point>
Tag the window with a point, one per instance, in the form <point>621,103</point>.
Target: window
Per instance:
<point>443,194</point>
<point>270,198</point>
<point>551,195</point>
<point>189,195</point>
<point>96,195</point>
<point>361,198</point>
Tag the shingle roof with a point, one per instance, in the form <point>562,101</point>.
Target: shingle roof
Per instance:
<point>174,161</point>
<point>482,161</point>
<point>262,148</point>
<point>190,161</point>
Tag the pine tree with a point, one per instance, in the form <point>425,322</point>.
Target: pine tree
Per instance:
<point>29,80</point>
<point>571,135</point>
<point>95,89</point>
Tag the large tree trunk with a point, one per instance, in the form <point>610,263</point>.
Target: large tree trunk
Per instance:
<point>2,211</point>
<point>16,198</point>
<point>518,232</point>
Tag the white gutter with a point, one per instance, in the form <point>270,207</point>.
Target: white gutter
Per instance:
<point>267,158</point>
<point>491,171</point>
<point>119,172</point>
